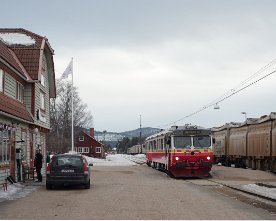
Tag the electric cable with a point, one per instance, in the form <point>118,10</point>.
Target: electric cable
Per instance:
<point>230,93</point>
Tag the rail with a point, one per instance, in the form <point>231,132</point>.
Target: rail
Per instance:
<point>135,159</point>
<point>244,191</point>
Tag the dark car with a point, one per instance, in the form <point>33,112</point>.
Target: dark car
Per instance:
<point>68,169</point>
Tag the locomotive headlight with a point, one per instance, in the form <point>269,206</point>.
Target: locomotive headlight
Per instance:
<point>208,158</point>
<point>176,158</point>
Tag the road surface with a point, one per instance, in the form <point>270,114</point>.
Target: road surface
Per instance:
<point>131,192</point>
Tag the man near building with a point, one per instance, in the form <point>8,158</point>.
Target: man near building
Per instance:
<point>38,165</point>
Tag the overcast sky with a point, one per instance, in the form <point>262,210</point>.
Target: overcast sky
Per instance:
<point>163,60</point>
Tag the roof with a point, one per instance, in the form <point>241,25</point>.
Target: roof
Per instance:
<point>14,108</point>
<point>8,55</point>
<point>28,48</point>
<point>91,137</point>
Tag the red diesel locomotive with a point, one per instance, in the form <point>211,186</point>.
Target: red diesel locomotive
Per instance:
<point>181,151</point>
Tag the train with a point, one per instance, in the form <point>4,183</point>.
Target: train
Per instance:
<point>251,144</point>
<point>136,149</point>
<point>181,151</point>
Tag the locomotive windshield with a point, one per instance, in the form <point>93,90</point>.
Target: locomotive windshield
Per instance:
<point>186,142</point>
<point>182,142</point>
<point>202,141</point>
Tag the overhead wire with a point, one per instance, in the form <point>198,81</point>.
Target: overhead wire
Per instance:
<point>229,93</point>
<point>260,71</point>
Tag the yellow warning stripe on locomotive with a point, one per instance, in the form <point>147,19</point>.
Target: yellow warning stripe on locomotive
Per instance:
<point>183,151</point>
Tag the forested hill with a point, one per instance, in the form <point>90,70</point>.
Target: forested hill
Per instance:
<point>113,136</point>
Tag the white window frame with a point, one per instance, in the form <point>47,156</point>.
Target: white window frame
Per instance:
<point>98,149</point>
<point>1,80</point>
<point>42,100</point>
<point>19,92</point>
<point>81,138</point>
<point>85,149</point>
<point>42,80</point>
<point>79,149</point>
<point>5,152</point>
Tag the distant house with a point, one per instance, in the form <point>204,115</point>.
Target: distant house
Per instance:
<point>86,144</point>
<point>27,82</point>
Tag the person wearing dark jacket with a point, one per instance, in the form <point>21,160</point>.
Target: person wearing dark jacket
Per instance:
<point>38,165</point>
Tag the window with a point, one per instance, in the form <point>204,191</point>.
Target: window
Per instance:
<point>154,145</point>
<point>80,150</point>
<point>182,142</point>
<point>42,80</point>
<point>86,150</point>
<point>81,138</point>
<point>202,141</point>
<point>151,145</point>
<point>4,151</point>
<point>98,150</point>
<point>42,101</point>
<point>67,160</point>
<point>5,135</point>
<point>1,80</point>
<point>19,92</point>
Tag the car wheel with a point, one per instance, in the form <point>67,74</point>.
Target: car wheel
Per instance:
<point>48,186</point>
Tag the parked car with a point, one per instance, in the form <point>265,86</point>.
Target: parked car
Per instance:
<point>68,169</point>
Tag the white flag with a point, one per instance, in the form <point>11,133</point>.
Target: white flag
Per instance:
<point>68,70</point>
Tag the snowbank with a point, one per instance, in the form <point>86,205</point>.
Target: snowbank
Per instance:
<point>261,190</point>
<point>16,191</point>
<point>111,160</point>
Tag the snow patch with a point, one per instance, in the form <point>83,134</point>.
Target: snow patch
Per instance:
<point>261,190</point>
<point>17,38</point>
<point>111,160</point>
<point>16,191</point>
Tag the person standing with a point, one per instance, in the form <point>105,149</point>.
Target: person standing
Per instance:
<point>38,165</point>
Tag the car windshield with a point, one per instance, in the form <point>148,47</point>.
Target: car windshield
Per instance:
<point>68,160</point>
<point>182,142</point>
<point>202,141</point>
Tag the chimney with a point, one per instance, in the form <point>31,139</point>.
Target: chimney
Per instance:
<point>91,132</point>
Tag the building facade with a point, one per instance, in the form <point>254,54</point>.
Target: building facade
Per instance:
<point>87,145</point>
<point>27,82</point>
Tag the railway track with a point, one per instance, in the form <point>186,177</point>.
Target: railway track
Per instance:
<point>135,159</point>
<point>244,191</point>
<point>204,182</point>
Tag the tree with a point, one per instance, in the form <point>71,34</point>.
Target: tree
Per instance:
<point>59,139</point>
<point>123,145</point>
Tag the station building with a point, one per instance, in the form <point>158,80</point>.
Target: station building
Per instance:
<point>27,82</point>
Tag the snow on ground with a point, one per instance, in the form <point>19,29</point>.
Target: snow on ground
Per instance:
<point>261,190</point>
<point>114,160</point>
<point>16,191</point>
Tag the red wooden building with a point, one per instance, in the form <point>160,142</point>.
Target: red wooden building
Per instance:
<point>27,83</point>
<point>87,145</point>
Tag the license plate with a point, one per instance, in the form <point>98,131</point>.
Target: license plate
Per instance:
<point>67,171</point>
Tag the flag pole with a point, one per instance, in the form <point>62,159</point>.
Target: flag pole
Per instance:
<point>72,93</point>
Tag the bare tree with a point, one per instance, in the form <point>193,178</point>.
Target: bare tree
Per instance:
<point>61,114</point>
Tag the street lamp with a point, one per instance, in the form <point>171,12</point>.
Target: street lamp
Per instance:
<point>245,115</point>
